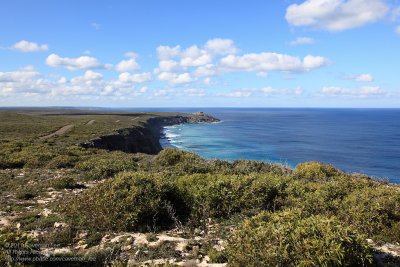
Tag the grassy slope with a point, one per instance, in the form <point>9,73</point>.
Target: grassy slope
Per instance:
<point>193,204</point>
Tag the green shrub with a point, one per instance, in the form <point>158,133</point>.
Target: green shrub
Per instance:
<point>65,182</point>
<point>63,161</point>
<point>105,165</point>
<point>218,195</point>
<point>375,211</point>
<point>180,162</point>
<point>27,192</point>
<point>252,166</point>
<point>130,201</point>
<point>315,171</point>
<point>217,256</point>
<point>287,239</point>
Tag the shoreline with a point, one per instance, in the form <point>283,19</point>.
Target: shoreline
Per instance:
<point>145,138</point>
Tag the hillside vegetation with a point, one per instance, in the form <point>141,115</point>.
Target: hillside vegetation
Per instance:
<point>77,206</point>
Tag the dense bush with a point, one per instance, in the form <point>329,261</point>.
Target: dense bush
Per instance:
<point>220,195</point>
<point>180,162</point>
<point>130,201</point>
<point>375,211</point>
<point>315,171</point>
<point>287,239</point>
<point>105,165</point>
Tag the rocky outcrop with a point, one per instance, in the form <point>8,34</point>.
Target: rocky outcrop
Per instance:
<point>146,138</point>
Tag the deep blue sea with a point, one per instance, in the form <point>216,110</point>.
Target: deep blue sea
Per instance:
<point>354,140</point>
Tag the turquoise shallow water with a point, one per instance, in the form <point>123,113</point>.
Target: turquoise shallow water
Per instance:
<point>354,140</point>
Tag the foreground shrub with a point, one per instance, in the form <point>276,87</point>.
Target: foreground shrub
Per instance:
<point>252,166</point>
<point>180,162</point>
<point>315,171</point>
<point>220,196</point>
<point>106,165</point>
<point>375,211</point>
<point>130,201</point>
<point>287,239</point>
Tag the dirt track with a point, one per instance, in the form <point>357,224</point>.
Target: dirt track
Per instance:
<point>63,130</point>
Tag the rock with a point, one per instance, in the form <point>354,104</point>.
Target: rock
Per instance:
<point>81,247</point>
<point>82,235</point>
<point>60,225</point>
<point>132,262</point>
<point>46,212</point>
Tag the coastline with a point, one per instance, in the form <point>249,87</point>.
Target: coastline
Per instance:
<point>145,138</point>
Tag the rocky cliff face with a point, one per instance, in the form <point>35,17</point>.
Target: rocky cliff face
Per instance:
<point>146,138</point>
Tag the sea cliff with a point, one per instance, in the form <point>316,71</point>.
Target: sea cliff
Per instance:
<point>144,138</point>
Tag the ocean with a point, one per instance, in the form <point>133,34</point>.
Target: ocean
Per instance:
<point>353,140</point>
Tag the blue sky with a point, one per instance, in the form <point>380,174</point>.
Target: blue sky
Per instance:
<point>314,53</point>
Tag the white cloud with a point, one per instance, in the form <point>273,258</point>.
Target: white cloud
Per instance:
<point>25,46</point>
<point>363,78</point>
<point>365,91</point>
<point>163,92</point>
<point>336,15</point>
<point>220,46</point>
<point>181,78</point>
<point>167,66</point>
<point>271,62</point>
<point>27,82</point>
<point>194,57</point>
<point>238,93</point>
<point>207,70</point>
<point>194,92</point>
<point>264,91</point>
<point>135,78</point>
<point>302,41</point>
<point>174,78</point>
<point>167,52</point>
<point>22,75</point>
<point>127,65</point>
<point>83,62</point>
<point>262,74</point>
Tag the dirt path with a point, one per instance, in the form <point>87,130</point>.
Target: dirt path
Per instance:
<point>90,122</point>
<point>63,130</point>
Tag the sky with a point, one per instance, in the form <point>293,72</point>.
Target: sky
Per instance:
<point>176,53</point>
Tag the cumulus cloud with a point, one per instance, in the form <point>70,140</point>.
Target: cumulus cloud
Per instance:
<point>166,52</point>
<point>25,46</point>
<point>79,63</point>
<point>363,92</point>
<point>194,57</point>
<point>135,78</point>
<point>365,77</point>
<point>264,91</point>
<point>302,41</point>
<point>194,92</point>
<point>27,82</point>
<point>271,62</point>
<point>127,65</point>
<point>174,78</point>
<point>217,56</point>
<point>21,75</point>
<point>220,46</point>
<point>336,15</point>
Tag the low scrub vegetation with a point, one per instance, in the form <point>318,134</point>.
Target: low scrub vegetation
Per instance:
<point>270,215</point>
